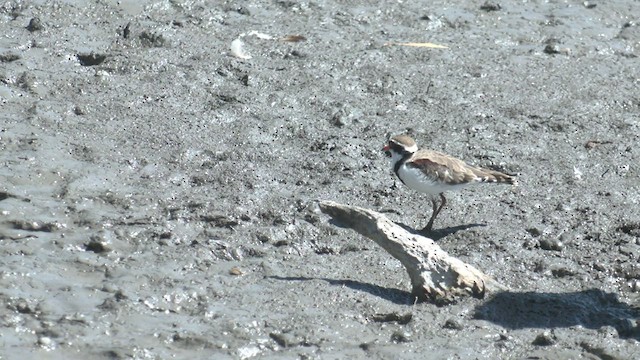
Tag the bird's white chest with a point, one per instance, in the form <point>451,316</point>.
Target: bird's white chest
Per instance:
<point>419,181</point>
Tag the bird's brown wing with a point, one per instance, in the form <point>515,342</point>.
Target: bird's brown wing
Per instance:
<point>442,167</point>
<point>452,171</point>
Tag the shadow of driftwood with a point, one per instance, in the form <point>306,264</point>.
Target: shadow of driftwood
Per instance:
<point>438,234</point>
<point>444,232</point>
<point>592,309</point>
<point>396,296</point>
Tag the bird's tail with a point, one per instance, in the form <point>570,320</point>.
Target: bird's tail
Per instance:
<point>492,176</point>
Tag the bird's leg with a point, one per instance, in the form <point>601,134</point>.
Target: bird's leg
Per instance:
<point>436,211</point>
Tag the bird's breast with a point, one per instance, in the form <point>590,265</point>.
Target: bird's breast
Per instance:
<point>418,180</point>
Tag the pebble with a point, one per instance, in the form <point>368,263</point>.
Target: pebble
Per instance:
<point>236,271</point>
<point>454,324</point>
<point>91,59</point>
<point>281,339</point>
<point>553,245</point>
<point>393,317</point>
<point>534,231</point>
<point>490,6</point>
<point>35,25</point>
<point>562,272</point>
<point>544,339</point>
<point>45,341</point>
<point>401,336</point>
<point>98,244</point>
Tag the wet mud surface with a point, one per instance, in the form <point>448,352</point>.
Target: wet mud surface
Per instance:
<point>158,195</point>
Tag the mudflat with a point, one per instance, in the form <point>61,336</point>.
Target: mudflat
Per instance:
<point>162,163</point>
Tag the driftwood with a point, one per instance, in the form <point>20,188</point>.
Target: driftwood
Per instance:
<point>435,275</point>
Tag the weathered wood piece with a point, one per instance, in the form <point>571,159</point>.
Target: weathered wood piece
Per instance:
<point>435,275</point>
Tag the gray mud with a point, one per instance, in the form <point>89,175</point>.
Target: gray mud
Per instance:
<point>158,195</point>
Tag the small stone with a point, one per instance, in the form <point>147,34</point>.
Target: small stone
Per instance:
<point>608,330</point>
<point>126,31</point>
<point>453,324</point>
<point>119,296</point>
<point>91,59</point>
<point>489,6</point>
<point>45,341</point>
<point>544,339</point>
<point>281,243</point>
<point>530,244</point>
<point>562,272</point>
<point>150,39</point>
<point>552,49</point>
<point>23,307</point>
<point>9,57</point>
<point>219,220</point>
<point>554,245</point>
<point>35,25</point>
<point>36,226</point>
<point>98,245</point>
<point>535,232</point>
<point>79,110</point>
<point>281,339</point>
<point>295,54</point>
<point>243,11</point>
<point>401,337</point>
<point>263,238</point>
<point>236,271</point>
<point>393,317</point>
<point>245,80</point>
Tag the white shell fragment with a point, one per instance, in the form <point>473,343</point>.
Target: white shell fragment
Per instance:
<point>237,49</point>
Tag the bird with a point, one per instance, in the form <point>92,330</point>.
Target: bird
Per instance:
<point>433,172</point>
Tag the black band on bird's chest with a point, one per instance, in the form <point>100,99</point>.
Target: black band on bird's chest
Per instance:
<point>396,167</point>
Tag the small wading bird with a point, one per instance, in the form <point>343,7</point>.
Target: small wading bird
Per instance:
<point>434,173</point>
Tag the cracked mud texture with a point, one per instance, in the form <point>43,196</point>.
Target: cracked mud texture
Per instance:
<point>159,196</point>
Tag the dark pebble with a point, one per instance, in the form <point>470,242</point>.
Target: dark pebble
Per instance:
<point>554,245</point>
<point>35,25</point>
<point>97,246</point>
<point>91,59</point>
<point>393,317</point>
<point>283,340</point>
<point>400,337</point>
<point>535,232</point>
<point>219,220</point>
<point>23,307</point>
<point>562,272</point>
<point>544,339</point>
<point>454,324</point>
<point>9,57</point>
<point>489,6</point>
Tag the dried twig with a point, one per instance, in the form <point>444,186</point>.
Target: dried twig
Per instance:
<point>417,44</point>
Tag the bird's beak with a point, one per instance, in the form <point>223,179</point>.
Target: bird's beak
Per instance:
<point>387,150</point>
